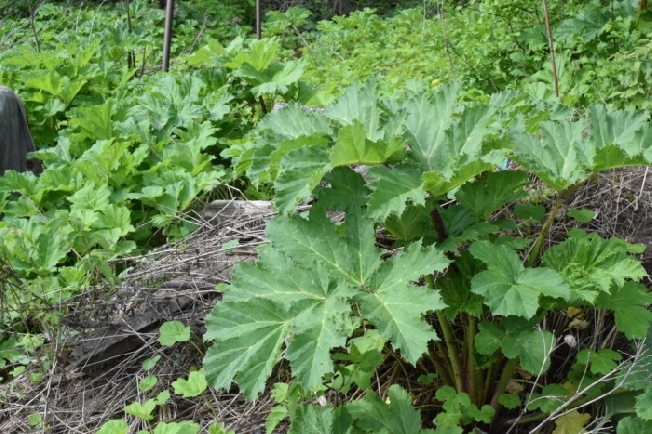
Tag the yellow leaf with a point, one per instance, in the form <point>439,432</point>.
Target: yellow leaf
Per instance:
<point>572,423</point>
<point>574,312</point>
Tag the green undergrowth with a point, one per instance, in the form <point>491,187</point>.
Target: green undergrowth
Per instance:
<point>494,45</point>
<point>129,152</point>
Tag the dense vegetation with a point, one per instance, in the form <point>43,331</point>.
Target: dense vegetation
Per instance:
<point>439,274</point>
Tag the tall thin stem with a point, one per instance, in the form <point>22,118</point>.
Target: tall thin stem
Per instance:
<point>32,13</point>
<point>551,46</point>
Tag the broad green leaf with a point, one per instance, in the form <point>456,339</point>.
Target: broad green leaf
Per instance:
<point>55,84</point>
<point>551,398</point>
<point>47,252</point>
<point>142,411</point>
<point>530,211</point>
<point>173,332</point>
<point>587,25</point>
<point>437,184</point>
<point>268,304</point>
<point>316,333</point>
<point>508,287</point>
<point>628,304</point>
<point>516,337</point>
<point>94,121</point>
<point>644,404</point>
<point>559,157</point>
<point>396,416</point>
<point>90,197</point>
<point>147,383</point>
<point>303,169</point>
<point>600,362</point>
<point>348,190</point>
<point>393,189</point>
<point>413,224</point>
<point>456,288</point>
<point>277,277</point>
<point>266,160</point>
<point>310,419</point>
<point>359,103</point>
<point>592,264</point>
<point>99,162</point>
<point>114,427</point>
<point>260,55</point>
<point>249,339</point>
<point>396,307</point>
<point>195,385</point>
<point>615,128</point>
<point>509,400</point>
<point>582,215</point>
<point>185,427</point>
<point>151,363</point>
<point>428,121</point>
<point>24,183</point>
<point>633,425</point>
<point>278,78</point>
<point>493,190</point>
<point>466,136</point>
<point>315,241</point>
<point>292,122</point>
<point>275,416</point>
<point>353,147</point>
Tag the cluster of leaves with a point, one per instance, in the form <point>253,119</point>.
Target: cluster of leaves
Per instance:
<point>125,155</point>
<point>453,290</point>
<point>171,333</point>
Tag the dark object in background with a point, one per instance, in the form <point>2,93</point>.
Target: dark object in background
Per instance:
<point>15,138</point>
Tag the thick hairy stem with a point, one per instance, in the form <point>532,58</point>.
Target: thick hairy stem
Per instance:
<point>538,243</point>
<point>451,346</point>
<point>445,363</point>
<point>494,364</point>
<point>261,103</point>
<point>508,374</point>
<point>442,370</point>
<point>453,351</point>
<point>472,375</point>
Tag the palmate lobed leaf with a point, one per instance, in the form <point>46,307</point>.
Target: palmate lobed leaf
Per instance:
<point>592,264</point>
<point>299,294</point>
<point>559,157</point>
<point>303,170</point>
<point>516,337</point>
<point>508,287</point>
<point>311,419</point>
<point>268,304</point>
<point>396,415</point>
<point>359,104</point>
<point>628,305</point>
<point>348,190</point>
<point>248,340</point>
<point>393,189</point>
<point>396,307</point>
<point>353,147</point>
<point>316,241</point>
<point>491,191</point>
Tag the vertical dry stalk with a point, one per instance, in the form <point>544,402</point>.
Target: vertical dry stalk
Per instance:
<point>446,41</point>
<point>32,12</point>
<point>551,46</point>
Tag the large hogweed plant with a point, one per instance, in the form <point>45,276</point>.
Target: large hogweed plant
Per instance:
<point>428,278</point>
